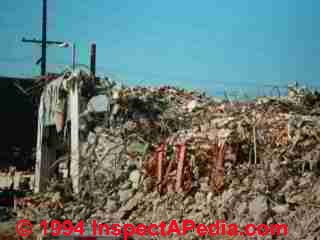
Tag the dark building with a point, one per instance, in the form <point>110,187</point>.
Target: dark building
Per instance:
<point>18,124</point>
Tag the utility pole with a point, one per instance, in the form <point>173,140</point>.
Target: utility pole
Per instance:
<point>43,41</point>
<point>93,60</point>
<point>43,48</point>
<point>44,38</point>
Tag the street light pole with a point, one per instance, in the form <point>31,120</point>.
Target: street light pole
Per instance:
<point>73,56</point>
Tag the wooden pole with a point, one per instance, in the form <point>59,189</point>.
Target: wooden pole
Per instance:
<point>44,38</point>
<point>93,60</point>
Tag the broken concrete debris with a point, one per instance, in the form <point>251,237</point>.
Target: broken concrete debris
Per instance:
<point>166,153</point>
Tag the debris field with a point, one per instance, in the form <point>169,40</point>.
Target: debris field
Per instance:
<point>167,153</point>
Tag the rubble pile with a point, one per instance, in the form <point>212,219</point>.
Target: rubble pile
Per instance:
<point>166,153</point>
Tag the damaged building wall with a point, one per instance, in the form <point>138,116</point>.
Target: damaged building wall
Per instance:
<point>61,102</point>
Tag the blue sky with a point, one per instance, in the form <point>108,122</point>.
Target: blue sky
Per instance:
<point>208,44</point>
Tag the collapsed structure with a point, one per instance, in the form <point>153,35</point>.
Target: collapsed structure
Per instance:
<point>144,155</point>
